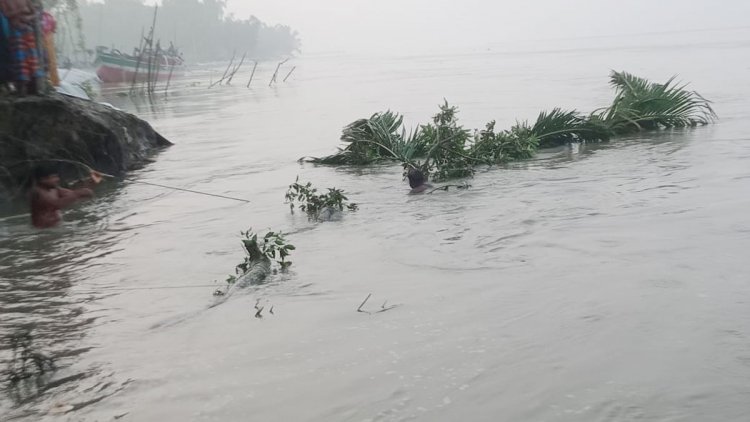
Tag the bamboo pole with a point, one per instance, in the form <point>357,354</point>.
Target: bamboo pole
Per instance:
<point>225,72</point>
<point>289,74</point>
<point>137,63</point>
<point>169,79</point>
<point>151,50</point>
<point>231,75</point>
<point>157,65</point>
<point>276,73</point>
<point>252,74</point>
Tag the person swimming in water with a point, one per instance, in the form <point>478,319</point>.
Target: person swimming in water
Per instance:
<point>48,198</point>
<point>417,181</point>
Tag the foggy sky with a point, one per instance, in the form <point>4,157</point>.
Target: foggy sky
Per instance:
<point>430,25</point>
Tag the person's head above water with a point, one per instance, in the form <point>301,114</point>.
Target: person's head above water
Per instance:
<point>416,178</point>
<point>46,176</point>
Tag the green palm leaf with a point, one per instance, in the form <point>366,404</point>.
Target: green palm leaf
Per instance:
<point>643,105</point>
<point>560,127</point>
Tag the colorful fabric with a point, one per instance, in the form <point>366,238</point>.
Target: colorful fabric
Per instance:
<point>25,55</point>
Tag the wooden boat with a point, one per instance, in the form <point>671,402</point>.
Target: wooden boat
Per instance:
<point>114,66</point>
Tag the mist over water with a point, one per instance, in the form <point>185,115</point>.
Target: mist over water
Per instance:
<point>593,283</point>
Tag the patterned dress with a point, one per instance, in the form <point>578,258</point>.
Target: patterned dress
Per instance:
<point>25,54</point>
<point>22,42</point>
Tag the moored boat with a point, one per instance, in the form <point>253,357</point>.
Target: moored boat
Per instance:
<point>114,66</point>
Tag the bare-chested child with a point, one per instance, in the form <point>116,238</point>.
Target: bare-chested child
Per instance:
<point>417,181</point>
<point>48,198</point>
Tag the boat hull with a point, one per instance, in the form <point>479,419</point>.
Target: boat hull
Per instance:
<point>122,69</point>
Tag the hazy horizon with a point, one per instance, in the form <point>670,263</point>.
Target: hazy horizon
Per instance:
<point>422,25</point>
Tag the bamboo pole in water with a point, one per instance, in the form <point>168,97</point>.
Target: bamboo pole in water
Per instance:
<point>231,75</point>
<point>225,72</point>
<point>289,74</point>
<point>157,66</point>
<point>151,50</point>
<point>169,79</point>
<point>252,74</point>
<point>138,62</point>
<point>276,73</point>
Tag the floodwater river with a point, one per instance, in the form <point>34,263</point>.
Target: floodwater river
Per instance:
<point>604,282</point>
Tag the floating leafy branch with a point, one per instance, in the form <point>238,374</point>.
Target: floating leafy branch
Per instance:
<point>643,105</point>
<point>306,198</point>
<point>272,247</point>
<point>443,149</point>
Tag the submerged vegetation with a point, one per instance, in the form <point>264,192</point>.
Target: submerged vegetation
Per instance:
<point>443,149</point>
<point>261,253</point>
<point>307,199</point>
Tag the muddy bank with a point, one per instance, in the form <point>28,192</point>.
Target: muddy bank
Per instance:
<point>58,127</point>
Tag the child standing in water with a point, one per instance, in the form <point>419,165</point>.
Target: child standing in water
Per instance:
<point>48,198</point>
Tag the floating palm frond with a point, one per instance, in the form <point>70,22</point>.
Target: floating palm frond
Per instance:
<point>445,150</point>
<point>643,105</point>
<point>560,127</point>
<point>368,141</point>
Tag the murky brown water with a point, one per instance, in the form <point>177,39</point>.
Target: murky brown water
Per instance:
<point>601,283</point>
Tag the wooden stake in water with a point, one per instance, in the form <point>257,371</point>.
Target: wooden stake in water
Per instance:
<point>151,50</point>
<point>276,73</point>
<point>229,66</point>
<point>252,74</point>
<point>169,79</point>
<point>157,65</point>
<point>234,71</point>
<point>137,63</point>
<point>290,73</point>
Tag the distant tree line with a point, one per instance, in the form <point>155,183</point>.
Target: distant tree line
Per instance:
<point>201,29</point>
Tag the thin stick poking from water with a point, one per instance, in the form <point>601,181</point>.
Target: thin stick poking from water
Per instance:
<point>289,74</point>
<point>229,66</point>
<point>387,309</point>
<point>252,74</point>
<point>171,70</point>
<point>234,71</point>
<point>276,73</point>
<point>363,304</point>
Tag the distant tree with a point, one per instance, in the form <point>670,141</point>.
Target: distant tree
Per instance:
<point>201,29</point>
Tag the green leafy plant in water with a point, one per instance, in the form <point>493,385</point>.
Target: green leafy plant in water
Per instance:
<point>447,155</point>
<point>518,143</point>
<point>444,150</point>
<point>644,105</point>
<point>369,141</point>
<point>272,247</point>
<point>308,200</point>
